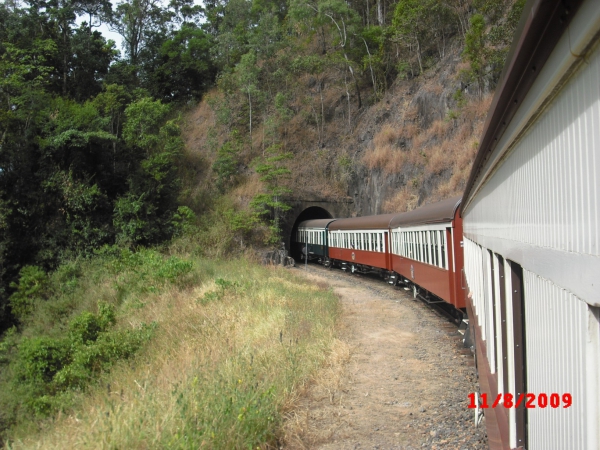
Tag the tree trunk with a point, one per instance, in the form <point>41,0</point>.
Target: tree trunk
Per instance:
<point>250,111</point>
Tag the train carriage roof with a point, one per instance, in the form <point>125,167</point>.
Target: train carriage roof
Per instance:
<point>379,222</point>
<point>439,212</point>
<point>315,223</point>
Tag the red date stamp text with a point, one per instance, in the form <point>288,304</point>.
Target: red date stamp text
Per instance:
<point>507,400</point>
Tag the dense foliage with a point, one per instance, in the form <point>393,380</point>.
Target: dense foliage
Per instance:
<point>89,142</point>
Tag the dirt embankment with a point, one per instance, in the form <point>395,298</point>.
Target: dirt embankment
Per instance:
<point>397,378</point>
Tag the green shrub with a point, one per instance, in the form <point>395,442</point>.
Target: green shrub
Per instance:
<point>32,286</point>
<point>46,368</point>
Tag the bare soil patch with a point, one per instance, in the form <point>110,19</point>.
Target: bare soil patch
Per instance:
<point>397,378</point>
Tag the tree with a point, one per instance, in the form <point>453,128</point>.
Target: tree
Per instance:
<point>273,172</point>
<point>474,50</point>
<point>247,78</point>
<point>410,25</point>
<point>90,62</point>
<point>133,20</point>
<point>184,68</point>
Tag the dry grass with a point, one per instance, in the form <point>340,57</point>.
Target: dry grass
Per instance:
<point>438,159</point>
<point>324,384</point>
<point>228,358</point>
<point>388,135</point>
<point>196,123</point>
<point>405,199</point>
<point>477,110</point>
<point>386,158</point>
<point>438,130</point>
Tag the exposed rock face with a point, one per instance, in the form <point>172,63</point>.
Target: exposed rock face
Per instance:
<point>418,103</point>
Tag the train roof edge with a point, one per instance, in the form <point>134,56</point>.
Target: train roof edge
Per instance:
<point>439,212</point>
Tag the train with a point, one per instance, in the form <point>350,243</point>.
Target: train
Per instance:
<point>517,256</point>
<point>420,250</point>
<point>531,235</point>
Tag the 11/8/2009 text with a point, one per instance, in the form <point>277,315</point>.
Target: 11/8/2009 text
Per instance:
<point>508,400</point>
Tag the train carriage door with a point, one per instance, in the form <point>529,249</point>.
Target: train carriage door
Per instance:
<point>515,328</point>
<point>386,249</point>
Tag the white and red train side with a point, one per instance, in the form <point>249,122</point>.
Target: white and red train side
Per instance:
<point>420,249</point>
<point>531,217</point>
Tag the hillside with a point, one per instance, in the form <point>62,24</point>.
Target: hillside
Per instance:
<point>384,144</point>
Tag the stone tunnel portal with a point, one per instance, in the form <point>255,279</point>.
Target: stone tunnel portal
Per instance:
<point>312,212</point>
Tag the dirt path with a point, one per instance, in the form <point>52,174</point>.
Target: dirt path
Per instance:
<point>397,379</point>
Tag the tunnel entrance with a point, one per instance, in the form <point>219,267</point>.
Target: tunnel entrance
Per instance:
<point>313,212</point>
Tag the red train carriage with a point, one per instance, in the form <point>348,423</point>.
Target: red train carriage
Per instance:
<point>361,244</point>
<point>426,251</point>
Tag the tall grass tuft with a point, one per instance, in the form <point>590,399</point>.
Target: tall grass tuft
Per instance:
<point>227,358</point>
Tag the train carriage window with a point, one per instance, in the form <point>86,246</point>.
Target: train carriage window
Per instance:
<point>443,248</point>
<point>401,252</point>
<point>413,237</point>
<point>434,252</point>
<point>431,248</point>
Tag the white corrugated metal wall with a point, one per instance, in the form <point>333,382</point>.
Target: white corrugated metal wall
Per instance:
<point>546,194</point>
<point>561,152</point>
<point>556,336</point>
